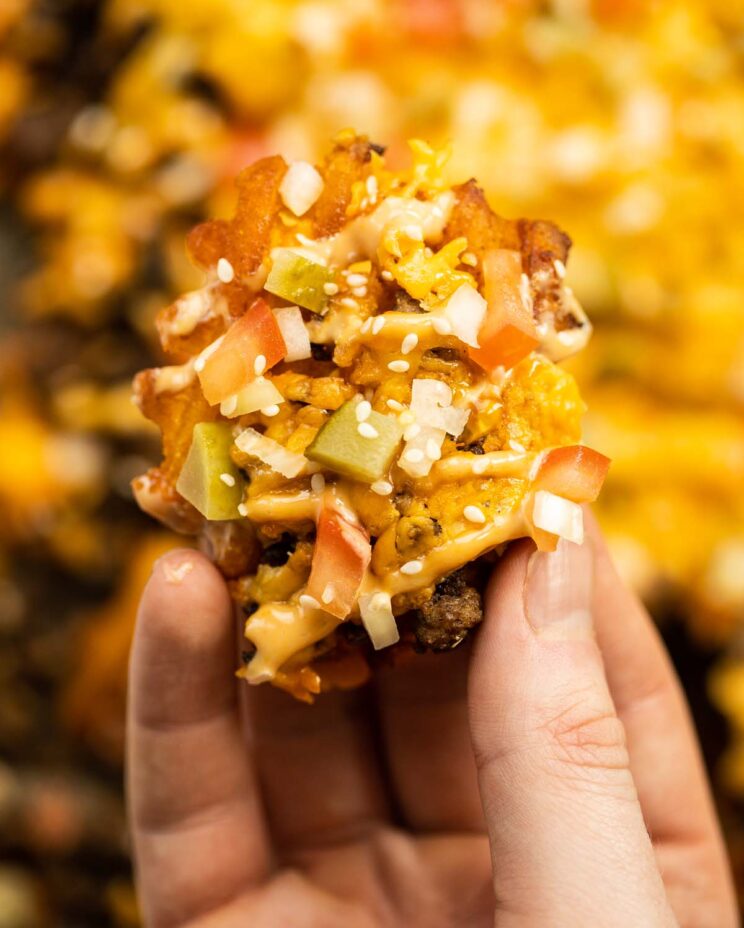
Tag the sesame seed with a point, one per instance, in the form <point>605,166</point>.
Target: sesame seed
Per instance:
<point>377,325</point>
<point>328,593</point>
<point>330,289</point>
<point>480,466</point>
<point>517,446</point>
<point>309,602</point>
<point>469,258</point>
<point>270,411</point>
<point>406,417</point>
<point>409,343</point>
<point>411,567</point>
<point>359,291</point>
<point>382,487</point>
<point>199,364</point>
<point>357,280</point>
<point>242,510</point>
<point>366,325</point>
<point>386,275</point>
<point>441,326</point>
<point>414,455</point>
<point>349,302</point>
<point>317,483</point>
<point>367,431</point>
<point>394,404</point>
<point>399,367</point>
<point>228,479</point>
<point>372,187</point>
<point>225,271</point>
<point>412,431</point>
<point>433,451</point>
<point>363,410</point>
<point>413,232</point>
<point>259,365</point>
<point>560,268</point>
<point>474,514</point>
<point>228,406</point>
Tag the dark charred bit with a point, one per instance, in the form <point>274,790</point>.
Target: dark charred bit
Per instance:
<point>246,655</point>
<point>475,447</point>
<point>321,352</point>
<point>278,554</point>
<point>378,149</point>
<point>455,608</point>
<point>444,354</point>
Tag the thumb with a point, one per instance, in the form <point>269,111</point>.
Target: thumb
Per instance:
<point>567,837</point>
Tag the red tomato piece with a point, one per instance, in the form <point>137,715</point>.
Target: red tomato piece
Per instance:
<point>574,472</point>
<point>508,333</point>
<point>232,365</point>
<point>341,557</point>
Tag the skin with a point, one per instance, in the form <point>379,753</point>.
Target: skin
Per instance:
<point>551,777</point>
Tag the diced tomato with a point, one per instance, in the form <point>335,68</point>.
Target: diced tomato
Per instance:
<point>574,472</point>
<point>508,333</point>
<point>342,554</point>
<point>232,365</point>
<point>435,21</point>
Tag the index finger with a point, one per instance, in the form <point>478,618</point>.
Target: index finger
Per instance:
<point>199,838</point>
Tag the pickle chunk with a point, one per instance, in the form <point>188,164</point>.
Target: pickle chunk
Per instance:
<point>299,280</point>
<point>360,450</point>
<point>209,479</point>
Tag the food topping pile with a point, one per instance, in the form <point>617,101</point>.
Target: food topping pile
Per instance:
<point>365,402</point>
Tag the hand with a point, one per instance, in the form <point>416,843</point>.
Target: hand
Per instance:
<point>528,803</point>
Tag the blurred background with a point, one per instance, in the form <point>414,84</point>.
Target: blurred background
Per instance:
<point>122,122</point>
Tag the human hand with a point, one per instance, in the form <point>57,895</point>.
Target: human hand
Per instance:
<point>524,796</point>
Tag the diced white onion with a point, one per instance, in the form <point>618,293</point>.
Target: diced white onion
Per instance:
<point>287,463</point>
<point>465,311</point>
<point>559,516</point>
<point>378,619</point>
<point>294,332</point>
<point>431,404</point>
<point>259,394</point>
<point>416,460</point>
<point>301,187</point>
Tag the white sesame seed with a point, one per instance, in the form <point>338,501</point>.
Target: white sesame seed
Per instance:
<point>259,365</point>
<point>441,325</point>
<point>317,483</point>
<point>409,343</point>
<point>349,302</point>
<point>517,446</point>
<point>199,364</point>
<point>386,275</point>
<point>363,410</point>
<point>433,451</point>
<point>415,233</point>
<point>225,271</point>
<point>328,593</point>
<point>309,602</point>
<point>359,291</point>
<point>394,404</point>
<point>330,289</point>
<point>357,280</point>
<point>367,431</point>
<point>378,324</point>
<point>270,411</point>
<point>372,187</point>
<point>411,567</point>
<point>366,325</point>
<point>242,510</point>
<point>399,367</point>
<point>412,431</point>
<point>406,417</point>
<point>228,479</point>
<point>414,455</point>
<point>560,268</point>
<point>480,466</point>
<point>474,514</point>
<point>228,406</point>
<point>382,487</point>
<point>467,257</point>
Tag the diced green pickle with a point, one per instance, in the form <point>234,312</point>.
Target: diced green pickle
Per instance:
<point>209,479</point>
<point>298,280</point>
<point>340,445</point>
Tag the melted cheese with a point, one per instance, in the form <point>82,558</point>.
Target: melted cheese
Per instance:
<point>279,631</point>
<point>283,507</point>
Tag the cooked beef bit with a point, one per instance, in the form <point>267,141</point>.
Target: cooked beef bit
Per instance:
<point>378,149</point>
<point>321,352</point>
<point>278,553</point>
<point>405,303</point>
<point>475,447</point>
<point>455,608</point>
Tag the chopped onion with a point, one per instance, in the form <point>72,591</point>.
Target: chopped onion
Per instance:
<point>294,332</point>
<point>378,619</point>
<point>301,187</point>
<point>558,516</point>
<point>431,404</point>
<point>465,311</point>
<point>287,463</point>
<point>416,459</point>
<point>259,394</point>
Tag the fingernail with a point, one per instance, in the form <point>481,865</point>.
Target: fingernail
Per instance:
<point>558,591</point>
<point>175,567</point>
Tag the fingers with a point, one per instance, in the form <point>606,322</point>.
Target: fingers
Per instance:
<point>665,759</point>
<point>567,834</point>
<point>199,839</point>
<point>318,767</point>
<point>424,723</point>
